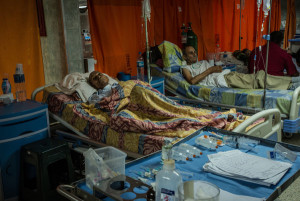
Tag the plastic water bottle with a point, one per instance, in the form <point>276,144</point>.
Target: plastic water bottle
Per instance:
<point>185,151</point>
<point>206,142</point>
<point>194,150</point>
<point>6,86</point>
<point>167,182</point>
<point>19,79</point>
<point>217,53</point>
<point>140,67</point>
<point>178,155</point>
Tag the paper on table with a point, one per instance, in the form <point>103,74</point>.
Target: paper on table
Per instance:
<point>238,165</point>
<point>226,196</point>
<point>255,167</point>
<point>208,167</point>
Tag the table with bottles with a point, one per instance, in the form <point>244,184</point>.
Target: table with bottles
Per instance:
<point>191,168</point>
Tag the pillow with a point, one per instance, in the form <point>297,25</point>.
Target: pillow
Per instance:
<point>171,55</point>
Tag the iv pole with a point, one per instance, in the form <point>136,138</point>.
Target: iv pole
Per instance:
<point>267,57</point>
<point>146,14</point>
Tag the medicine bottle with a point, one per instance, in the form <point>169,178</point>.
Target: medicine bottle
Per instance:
<point>6,86</point>
<point>19,79</point>
<point>140,67</point>
<point>167,182</point>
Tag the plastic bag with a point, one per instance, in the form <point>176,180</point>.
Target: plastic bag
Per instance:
<point>96,169</point>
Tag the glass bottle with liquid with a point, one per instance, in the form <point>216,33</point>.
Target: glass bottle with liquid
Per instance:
<point>167,182</point>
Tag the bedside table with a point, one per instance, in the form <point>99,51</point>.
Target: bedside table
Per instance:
<point>20,123</point>
<point>157,83</point>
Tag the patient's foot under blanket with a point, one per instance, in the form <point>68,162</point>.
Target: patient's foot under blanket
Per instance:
<point>136,107</point>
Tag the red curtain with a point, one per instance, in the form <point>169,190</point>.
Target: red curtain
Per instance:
<point>117,27</point>
<point>290,27</point>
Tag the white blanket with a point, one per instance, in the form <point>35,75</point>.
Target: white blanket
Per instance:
<point>76,82</point>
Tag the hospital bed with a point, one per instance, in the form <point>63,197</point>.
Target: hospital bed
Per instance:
<point>249,101</point>
<point>68,111</point>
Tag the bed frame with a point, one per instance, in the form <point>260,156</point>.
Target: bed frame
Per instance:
<point>271,126</point>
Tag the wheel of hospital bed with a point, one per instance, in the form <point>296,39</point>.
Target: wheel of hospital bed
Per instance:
<point>288,135</point>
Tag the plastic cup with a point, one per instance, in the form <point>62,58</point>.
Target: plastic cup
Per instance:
<point>198,190</point>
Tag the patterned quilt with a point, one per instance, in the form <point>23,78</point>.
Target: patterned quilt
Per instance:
<point>251,98</point>
<point>136,117</point>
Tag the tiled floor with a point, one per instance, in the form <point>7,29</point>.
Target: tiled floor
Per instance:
<point>292,193</point>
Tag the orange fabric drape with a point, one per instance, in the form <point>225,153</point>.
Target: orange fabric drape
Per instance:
<point>116,31</point>
<point>290,27</point>
<point>116,27</point>
<point>20,43</point>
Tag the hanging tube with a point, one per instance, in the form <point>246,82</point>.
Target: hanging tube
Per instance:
<point>147,52</point>
<point>267,59</point>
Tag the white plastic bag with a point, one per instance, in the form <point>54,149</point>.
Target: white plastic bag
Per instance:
<point>96,169</point>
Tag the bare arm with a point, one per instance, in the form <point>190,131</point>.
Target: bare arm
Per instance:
<point>194,80</point>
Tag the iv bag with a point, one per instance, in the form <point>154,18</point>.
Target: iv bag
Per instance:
<point>266,6</point>
<point>258,3</point>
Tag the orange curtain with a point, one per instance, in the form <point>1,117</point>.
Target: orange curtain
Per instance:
<point>116,27</point>
<point>21,43</point>
<point>116,31</point>
<point>290,27</point>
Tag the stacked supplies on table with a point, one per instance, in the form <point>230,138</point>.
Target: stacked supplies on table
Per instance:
<point>239,165</point>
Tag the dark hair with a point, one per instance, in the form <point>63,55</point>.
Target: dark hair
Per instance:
<point>297,56</point>
<point>184,49</point>
<point>276,37</point>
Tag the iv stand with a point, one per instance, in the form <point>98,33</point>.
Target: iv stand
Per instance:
<point>147,52</point>
<point>267,57</point>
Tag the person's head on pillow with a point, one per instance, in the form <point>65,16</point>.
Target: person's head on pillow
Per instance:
<point>189,54</point>
<point>98,80</point>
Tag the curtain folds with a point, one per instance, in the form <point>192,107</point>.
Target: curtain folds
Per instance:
<point>117,27</point>
<point>21,43</point>
<point>290,27</point>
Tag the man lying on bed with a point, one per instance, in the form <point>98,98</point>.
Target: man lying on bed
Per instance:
<point>201,72</point>
<point>134,106</point>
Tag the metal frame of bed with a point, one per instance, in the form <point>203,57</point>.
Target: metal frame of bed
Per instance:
<point>271,126</point>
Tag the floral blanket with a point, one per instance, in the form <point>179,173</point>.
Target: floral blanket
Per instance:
<point>136,117</point>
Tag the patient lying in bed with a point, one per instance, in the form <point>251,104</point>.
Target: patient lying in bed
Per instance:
<point>203,73</point>
<point>134,116</point>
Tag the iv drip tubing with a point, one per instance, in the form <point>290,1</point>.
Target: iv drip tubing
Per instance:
<point>267,59</point>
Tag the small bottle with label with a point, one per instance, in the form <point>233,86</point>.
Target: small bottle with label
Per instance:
<point>6,86</point>
<point>140,67</point>
<point>167,182</point>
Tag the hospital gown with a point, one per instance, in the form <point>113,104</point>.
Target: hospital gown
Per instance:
<point>213,79</point>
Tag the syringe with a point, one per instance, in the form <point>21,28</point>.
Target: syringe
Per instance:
<point>192,149</point>
<point>179,156</point>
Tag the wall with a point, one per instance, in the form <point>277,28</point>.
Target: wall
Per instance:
<point>62,47</point>
<point>72,33</point>
<point>53,45</point>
